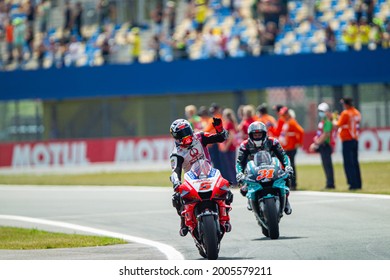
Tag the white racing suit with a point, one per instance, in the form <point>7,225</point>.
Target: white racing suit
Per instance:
<point>182,158</point>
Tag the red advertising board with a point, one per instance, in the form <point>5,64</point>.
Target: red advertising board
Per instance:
<point>116,150</point>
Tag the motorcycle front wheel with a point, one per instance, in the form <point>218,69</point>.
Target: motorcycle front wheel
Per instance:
<point>271,217</point>
<point>210,237</point>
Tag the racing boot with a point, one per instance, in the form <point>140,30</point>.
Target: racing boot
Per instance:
<point>228,226</point>
<point>287,208</point>
<point>229,198</point>
<point>183,228</point>
<point>249,206</point>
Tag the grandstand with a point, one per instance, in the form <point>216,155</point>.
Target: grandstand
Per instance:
<point>228,31</point>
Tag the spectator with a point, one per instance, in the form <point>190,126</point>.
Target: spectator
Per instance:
<point>30,41</point>
<point>235,7</point>
<point>200,14</point>
<point>41,51</point>
<point>204,115</point>
<point>223,42</point>
<point>211,44</point>
<point>103,11</point>
<point>155,46</point>
<point>229,147</point>
<point>270,11</point>
<point>386,37</point>
<point>265,118</point>
<point>9,38</point>
<point>68,17</point>
<point>136,44</point>
<point>280,122</point>
<point>350,34</point>
<point>52,50</point>
<point>60,54</point>
<point>248,117</point>
<point>193,118</point>
<point>44,12</point>
<point>30,13</point>
<point>157,16</point>
<point>330,39</point>
<point>349,126</point>
<point>170,14</point>
<point>2,45</point>
<point>291,137</point>
<point>74,51</point>
<point>358,7</point>
<point>19,38</point>
<point>240,46</point>
<point>378,34</point>
<point>369,7</point>
<point>106,51</point>
<point>240,113</point>
<point>268,38</point>
<point>364,33</point>
<point>323,143</point>
<point>78,19</point>
<point>180,47</point>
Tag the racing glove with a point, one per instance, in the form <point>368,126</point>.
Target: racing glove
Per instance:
<point>175,180</point>
<point>243,190</point>
<point>176,185</point>
<point>240,177</point>
<point>289,170</point>
<point>217,123</point>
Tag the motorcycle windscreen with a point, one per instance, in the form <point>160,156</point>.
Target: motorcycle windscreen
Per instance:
<point>201,168</point>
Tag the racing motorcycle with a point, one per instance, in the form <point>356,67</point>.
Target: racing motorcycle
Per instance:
<point>203,194</point>
<point>266,184</point>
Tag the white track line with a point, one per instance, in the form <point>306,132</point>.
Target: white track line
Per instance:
<point>170,252</point>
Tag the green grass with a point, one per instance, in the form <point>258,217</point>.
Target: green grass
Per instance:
<point>13,238</point>
<point>375,177</point>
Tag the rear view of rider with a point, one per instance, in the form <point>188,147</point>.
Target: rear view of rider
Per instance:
<point>258,140</point>
<point>190,147</point>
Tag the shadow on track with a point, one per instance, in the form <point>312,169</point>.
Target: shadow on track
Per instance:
<point>280,238</point>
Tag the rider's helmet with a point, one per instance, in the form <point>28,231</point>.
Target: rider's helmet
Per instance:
<point>262,158</point>
<point>257,132</point>
<point>182,131</point>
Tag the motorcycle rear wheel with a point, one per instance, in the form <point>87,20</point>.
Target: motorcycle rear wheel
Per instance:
<point>210,237</point>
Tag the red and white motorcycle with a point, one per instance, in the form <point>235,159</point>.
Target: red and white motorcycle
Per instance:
<point>203,194</point>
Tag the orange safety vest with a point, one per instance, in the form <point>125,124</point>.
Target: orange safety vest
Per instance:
<point>269,121</point>
<point>210,127</point>
<point>349,124</point>
<point>291,135</point>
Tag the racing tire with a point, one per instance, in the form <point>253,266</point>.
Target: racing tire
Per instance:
<point>271,217</point>
<point>210,237</point>
<point>264,231</point>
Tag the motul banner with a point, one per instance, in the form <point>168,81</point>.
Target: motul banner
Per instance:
<point>84,152</point>
<point>132,150</point>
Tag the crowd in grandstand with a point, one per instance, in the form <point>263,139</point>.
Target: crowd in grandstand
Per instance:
<point>206,29</point>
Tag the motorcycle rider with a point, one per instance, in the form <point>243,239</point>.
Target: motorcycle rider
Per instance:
<point>190,147</point>
<point>258,140</point>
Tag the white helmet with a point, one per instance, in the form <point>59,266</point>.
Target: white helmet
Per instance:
<point>324,107</point>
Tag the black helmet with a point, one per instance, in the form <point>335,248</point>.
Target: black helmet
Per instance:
<point>182,131</point>
<point>260,130</point>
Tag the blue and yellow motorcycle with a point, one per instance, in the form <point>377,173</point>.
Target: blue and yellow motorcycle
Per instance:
<point>266,184</point>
